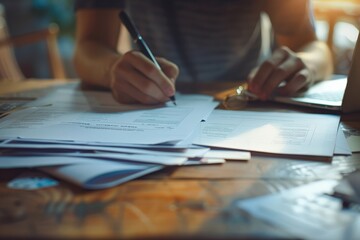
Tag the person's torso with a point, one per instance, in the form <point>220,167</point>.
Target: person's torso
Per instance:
<point>208,39</point>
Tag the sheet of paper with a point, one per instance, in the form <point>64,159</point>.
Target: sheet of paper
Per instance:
<point>204,161</point>
<point>354,143</point>
<point>341,146</point>
<point>352,134</point>
<point>166,147</point>
<point>73,115</point>
<point>145,158</point>
<point>271,132</point>
<point>38,161</point>
<point>100,174</point>
<point>228,154</point>
<point>40,147</point>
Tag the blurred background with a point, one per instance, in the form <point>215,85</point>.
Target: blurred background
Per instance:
<point>28,16</point>
<point>337,23</point>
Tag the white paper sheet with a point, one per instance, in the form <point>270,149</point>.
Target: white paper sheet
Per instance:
<point>39,147</point>
<point>169,147</point>
<point>72,115</point>
<point>38,161</point>
<point>145,158</point>
<point>99,174</point>
<point>228,155</point>
<point>341,146</point>
<point>271,132</point>
<point>354,143</point>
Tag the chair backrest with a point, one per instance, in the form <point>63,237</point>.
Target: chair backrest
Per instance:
<point>9,68</point>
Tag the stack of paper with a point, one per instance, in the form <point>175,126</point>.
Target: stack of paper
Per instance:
<point>88,138</point>
<point>79,128</point>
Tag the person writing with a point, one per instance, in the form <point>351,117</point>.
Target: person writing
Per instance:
<point>198,41</point>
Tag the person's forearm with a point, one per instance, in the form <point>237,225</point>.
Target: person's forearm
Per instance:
<point>317,57</point>
<point>93,62</point>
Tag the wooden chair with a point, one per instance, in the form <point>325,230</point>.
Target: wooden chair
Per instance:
<point>334,11</point>
<point>9,68</point>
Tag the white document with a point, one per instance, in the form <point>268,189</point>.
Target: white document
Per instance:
<point>39,161</point>
<point>271,132</point>
<point>341,147</point>
<point>166,147</point>
<point>144,158</point>
<point>101,174</point>
<point>228,155</point>
<point>72,115</point>
<point>41,147</point>
<point>354,143</point>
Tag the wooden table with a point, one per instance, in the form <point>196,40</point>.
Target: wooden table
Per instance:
<point>177,203</point>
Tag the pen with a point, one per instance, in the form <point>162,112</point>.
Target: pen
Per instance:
<point>140,42</point>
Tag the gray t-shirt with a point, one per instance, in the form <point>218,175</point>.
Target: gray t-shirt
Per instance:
<point>208,39</point>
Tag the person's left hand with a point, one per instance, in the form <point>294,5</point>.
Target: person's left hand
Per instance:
<point>284,73</point>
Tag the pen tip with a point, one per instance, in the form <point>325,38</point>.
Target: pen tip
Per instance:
<point>172,98</point>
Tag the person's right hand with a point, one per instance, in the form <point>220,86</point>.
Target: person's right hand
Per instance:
<point>135,79</point>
